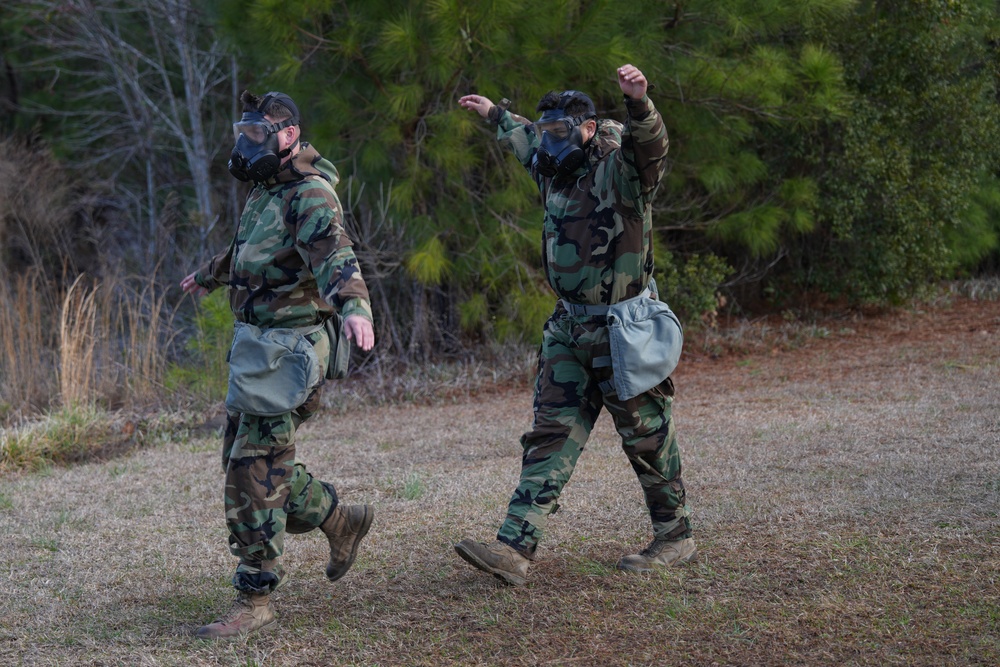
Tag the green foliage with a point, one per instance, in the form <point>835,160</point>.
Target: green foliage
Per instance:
<point>428,263</point>
<point>75,433</point>
<point>523,314</point>
<point>918,149</point>
<point>978,234</point>
<point>750,81</point>
<point>414,487</point>
<point>206,371</point>
<point>473,312</point>
<point>690,286</point>
<point>64,435</point>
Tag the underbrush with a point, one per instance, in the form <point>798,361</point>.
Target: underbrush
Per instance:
<point>78,433</point>
<point>977,289</point>
<point>386,382</point>
<point>94,397</point>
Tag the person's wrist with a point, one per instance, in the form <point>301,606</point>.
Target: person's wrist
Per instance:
<point>496,111</point>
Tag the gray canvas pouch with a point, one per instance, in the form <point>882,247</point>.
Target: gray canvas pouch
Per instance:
<point>271,371</point>
<point>646,341</point>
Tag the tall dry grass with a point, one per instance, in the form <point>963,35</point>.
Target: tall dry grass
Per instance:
<point>96,343</point>
<point>112,340</point>
<point>143,323</point>
<point>78,343</point>
<point>27,361</point>
<point>72,363</point>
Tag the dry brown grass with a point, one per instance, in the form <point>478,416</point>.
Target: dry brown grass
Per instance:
<point>845,491</point>
<point>26,341</point>
<point>112,341</point>
<point>106,351</point>
<point>78,341</point>
<point>97,343</point>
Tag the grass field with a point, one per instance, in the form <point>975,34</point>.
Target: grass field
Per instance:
<point>845,494</point>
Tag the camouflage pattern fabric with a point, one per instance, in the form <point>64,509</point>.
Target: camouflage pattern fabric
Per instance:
<point>289,265</point>
<point>291,261</point>
<point>597,240</point>
<point>568,400</point>
<point>597,249</point>
<point>268,492</point>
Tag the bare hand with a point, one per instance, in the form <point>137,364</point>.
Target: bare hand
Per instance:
<point>191,287</point>
<point>633,83</point>
<point>360,330</point>
<point>477,103</point>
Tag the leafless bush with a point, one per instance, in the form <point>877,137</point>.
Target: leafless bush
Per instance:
<point>36,209</point>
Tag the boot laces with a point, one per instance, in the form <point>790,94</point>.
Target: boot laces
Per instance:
<point>241,605</point>
<point>654,548</point>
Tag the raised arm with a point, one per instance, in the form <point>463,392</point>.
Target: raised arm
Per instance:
<point>643,155</point>
<point>513,131</point>
<point>632,82</point>
<point>477,103</point>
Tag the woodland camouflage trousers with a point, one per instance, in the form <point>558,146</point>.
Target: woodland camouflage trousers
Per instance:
<point>268,492</point>
<point>573,362</point>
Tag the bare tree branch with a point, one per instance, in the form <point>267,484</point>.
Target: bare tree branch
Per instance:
<point>146,99</point>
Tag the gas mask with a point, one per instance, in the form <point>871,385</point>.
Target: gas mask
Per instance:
<point>255,156</point>
<point>561,151</point>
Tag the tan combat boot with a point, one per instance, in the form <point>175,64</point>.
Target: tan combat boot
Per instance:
<point>249,612</point>
<point>344,528</point>
<point>660,554</point>
<point>499,559</point>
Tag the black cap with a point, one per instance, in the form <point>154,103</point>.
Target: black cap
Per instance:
<point>283,99</point>
<point>568,96</point>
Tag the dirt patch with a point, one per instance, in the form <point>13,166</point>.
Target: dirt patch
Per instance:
<point>836,347</point>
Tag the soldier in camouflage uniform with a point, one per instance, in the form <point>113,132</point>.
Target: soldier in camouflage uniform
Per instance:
<point>597,251</point>
<point>290,264</point>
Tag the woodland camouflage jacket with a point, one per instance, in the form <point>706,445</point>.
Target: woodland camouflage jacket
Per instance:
<point>597,236</point>
<point>291,260</point>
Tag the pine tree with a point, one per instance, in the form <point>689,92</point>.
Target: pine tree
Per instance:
<point>381,81</point>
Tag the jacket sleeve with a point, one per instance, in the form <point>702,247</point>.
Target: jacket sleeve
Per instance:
<point>642,158</point>
<point>215,273</point>
<point>515,133</point>
<point>328,252</point>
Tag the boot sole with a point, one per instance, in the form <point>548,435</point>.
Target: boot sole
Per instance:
<point>273,624</point>
<point>656,568</point>
<point>502,575</point>
<point>366,523</point>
